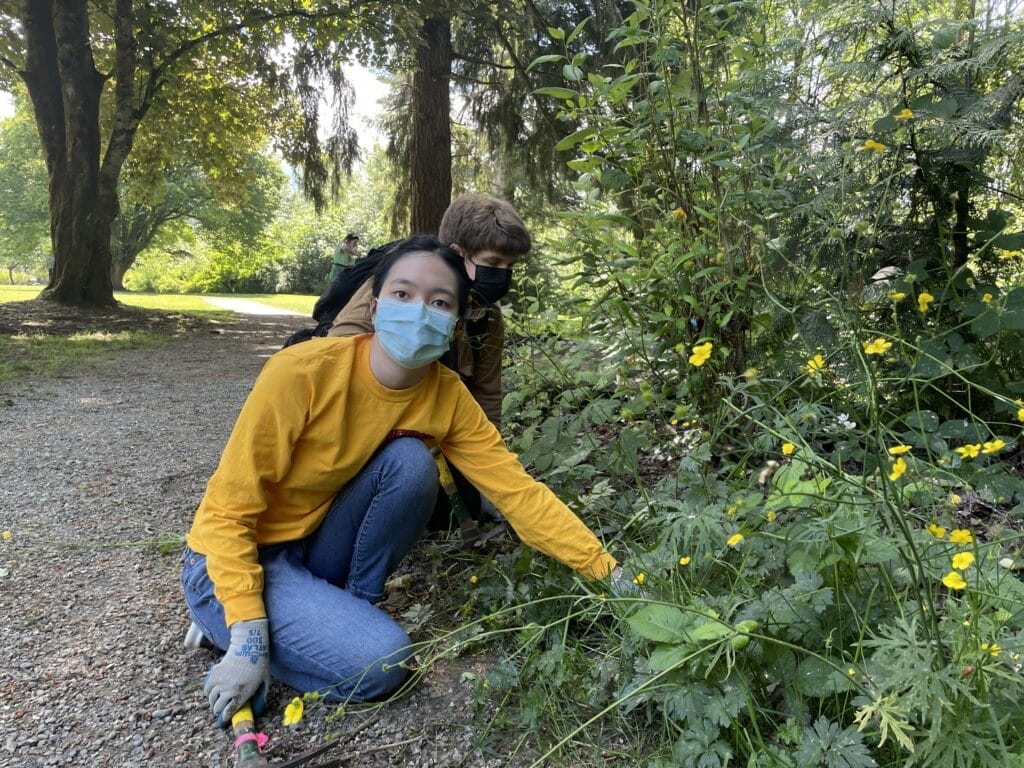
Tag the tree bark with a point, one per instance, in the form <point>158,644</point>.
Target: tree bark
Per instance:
<point>431,143</point>
<point>65,89</point>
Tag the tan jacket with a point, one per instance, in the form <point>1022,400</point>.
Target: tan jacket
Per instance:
<point>481,372</point>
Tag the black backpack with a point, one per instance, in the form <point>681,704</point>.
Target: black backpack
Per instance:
<point>338,293</point>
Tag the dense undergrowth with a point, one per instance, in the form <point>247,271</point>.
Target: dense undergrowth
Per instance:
<point>786,388</point>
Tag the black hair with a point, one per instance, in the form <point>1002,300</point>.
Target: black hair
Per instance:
<point>351,236</point>
<point>425,244</point>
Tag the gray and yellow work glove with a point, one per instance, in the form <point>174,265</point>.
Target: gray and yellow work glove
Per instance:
<point>622,586</point>
<point>244,668</point>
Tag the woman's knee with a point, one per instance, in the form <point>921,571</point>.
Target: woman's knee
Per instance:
<point>380,668</point>
<point>411,460</point>
<point>384,675</point>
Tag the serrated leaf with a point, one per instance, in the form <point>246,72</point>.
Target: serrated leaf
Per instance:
<point>668,656</point>
<point>826,745</point>
<point>660,623</point>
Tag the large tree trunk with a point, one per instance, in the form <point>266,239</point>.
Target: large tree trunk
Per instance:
<point>431,144</point>
<point>65,89</point>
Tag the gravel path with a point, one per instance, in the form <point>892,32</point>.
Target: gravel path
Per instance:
<point>100,473</point>
<point>249,307</point>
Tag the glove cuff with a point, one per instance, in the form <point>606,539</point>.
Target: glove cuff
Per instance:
<point>250,639</point>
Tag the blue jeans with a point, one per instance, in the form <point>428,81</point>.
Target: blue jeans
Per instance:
<point>325,633</point>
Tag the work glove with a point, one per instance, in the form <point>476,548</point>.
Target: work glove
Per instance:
<point>244,669</point>
<point>623,586</point>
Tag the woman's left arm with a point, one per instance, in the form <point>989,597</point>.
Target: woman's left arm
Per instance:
<point>539,517</point>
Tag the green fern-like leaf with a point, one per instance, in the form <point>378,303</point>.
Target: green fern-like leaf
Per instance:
<point>826,745</point>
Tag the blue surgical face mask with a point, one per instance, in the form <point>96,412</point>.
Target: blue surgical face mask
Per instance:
<point>411,333</point>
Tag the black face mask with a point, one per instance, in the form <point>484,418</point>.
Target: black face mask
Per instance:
<point>491,283</point>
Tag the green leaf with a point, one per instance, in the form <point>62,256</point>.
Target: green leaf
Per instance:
<point>961,428</point>
<point>712,630</point>
<point>816,678</point>
<point>572,73</point>
<point>667,656</point>
<point>985,325</point>
<point>575,138</point>
<point>555,92</point>
<point>613,179</point>
<point>924,421</point>
<point>579,28</point>
<point>884,124</point>
<point>1013,313</point>
<point>556,33</point>
<point>1009,242</point>
<point>660,623</point>
<point>928,104</point>
<point>545,59</point>
<point>943,39</point>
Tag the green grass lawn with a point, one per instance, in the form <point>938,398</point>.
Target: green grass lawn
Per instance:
<point>51,354</point>
<point>18,292</point>
<point>175,302</point>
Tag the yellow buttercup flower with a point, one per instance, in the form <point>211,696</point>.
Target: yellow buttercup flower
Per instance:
<point>993,649</point>
<point>960,536</point>
<point>993,446</point>
<point>923,300</point>
<point>954,580</point>
<point>897,295</point>
<point>787,449</point>
<point>872,146</point>
<point>815,365</point>
<point>963,560</point>
<point>685,561</point>
<point>903,115</point>
<point>474,579</point>
<point>735,539</point>
<point>954,500</point>
<point>968,451</point>
<point>987,299</point>
<point>1020,414</point>
<point>936,530</point>
<point>731,510</point>
<point>640,578</point>
<point>899,450</point>
<point>899,467</point>
<point>770,517</point>
<point>877,347</point>
<point>678,213</point>
<point>701,353</point>
<point>293,712</point>
<point>7,535</point>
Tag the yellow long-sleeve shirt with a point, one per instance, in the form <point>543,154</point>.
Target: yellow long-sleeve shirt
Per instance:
<point>314,418</point>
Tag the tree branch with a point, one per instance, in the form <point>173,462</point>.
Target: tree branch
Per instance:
<point>481,62</point>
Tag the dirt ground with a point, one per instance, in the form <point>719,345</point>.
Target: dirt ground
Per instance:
<point>100,473</point>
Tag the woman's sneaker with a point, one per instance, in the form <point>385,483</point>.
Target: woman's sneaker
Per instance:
<point>195,639</point>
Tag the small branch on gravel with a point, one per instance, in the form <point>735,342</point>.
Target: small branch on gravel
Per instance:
<point>342,759</point>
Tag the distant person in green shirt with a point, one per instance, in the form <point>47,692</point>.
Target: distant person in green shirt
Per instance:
<point>345,255</point>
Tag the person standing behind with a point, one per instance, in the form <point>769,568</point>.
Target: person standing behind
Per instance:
<point>491,238</point>
<point>345,255</point>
